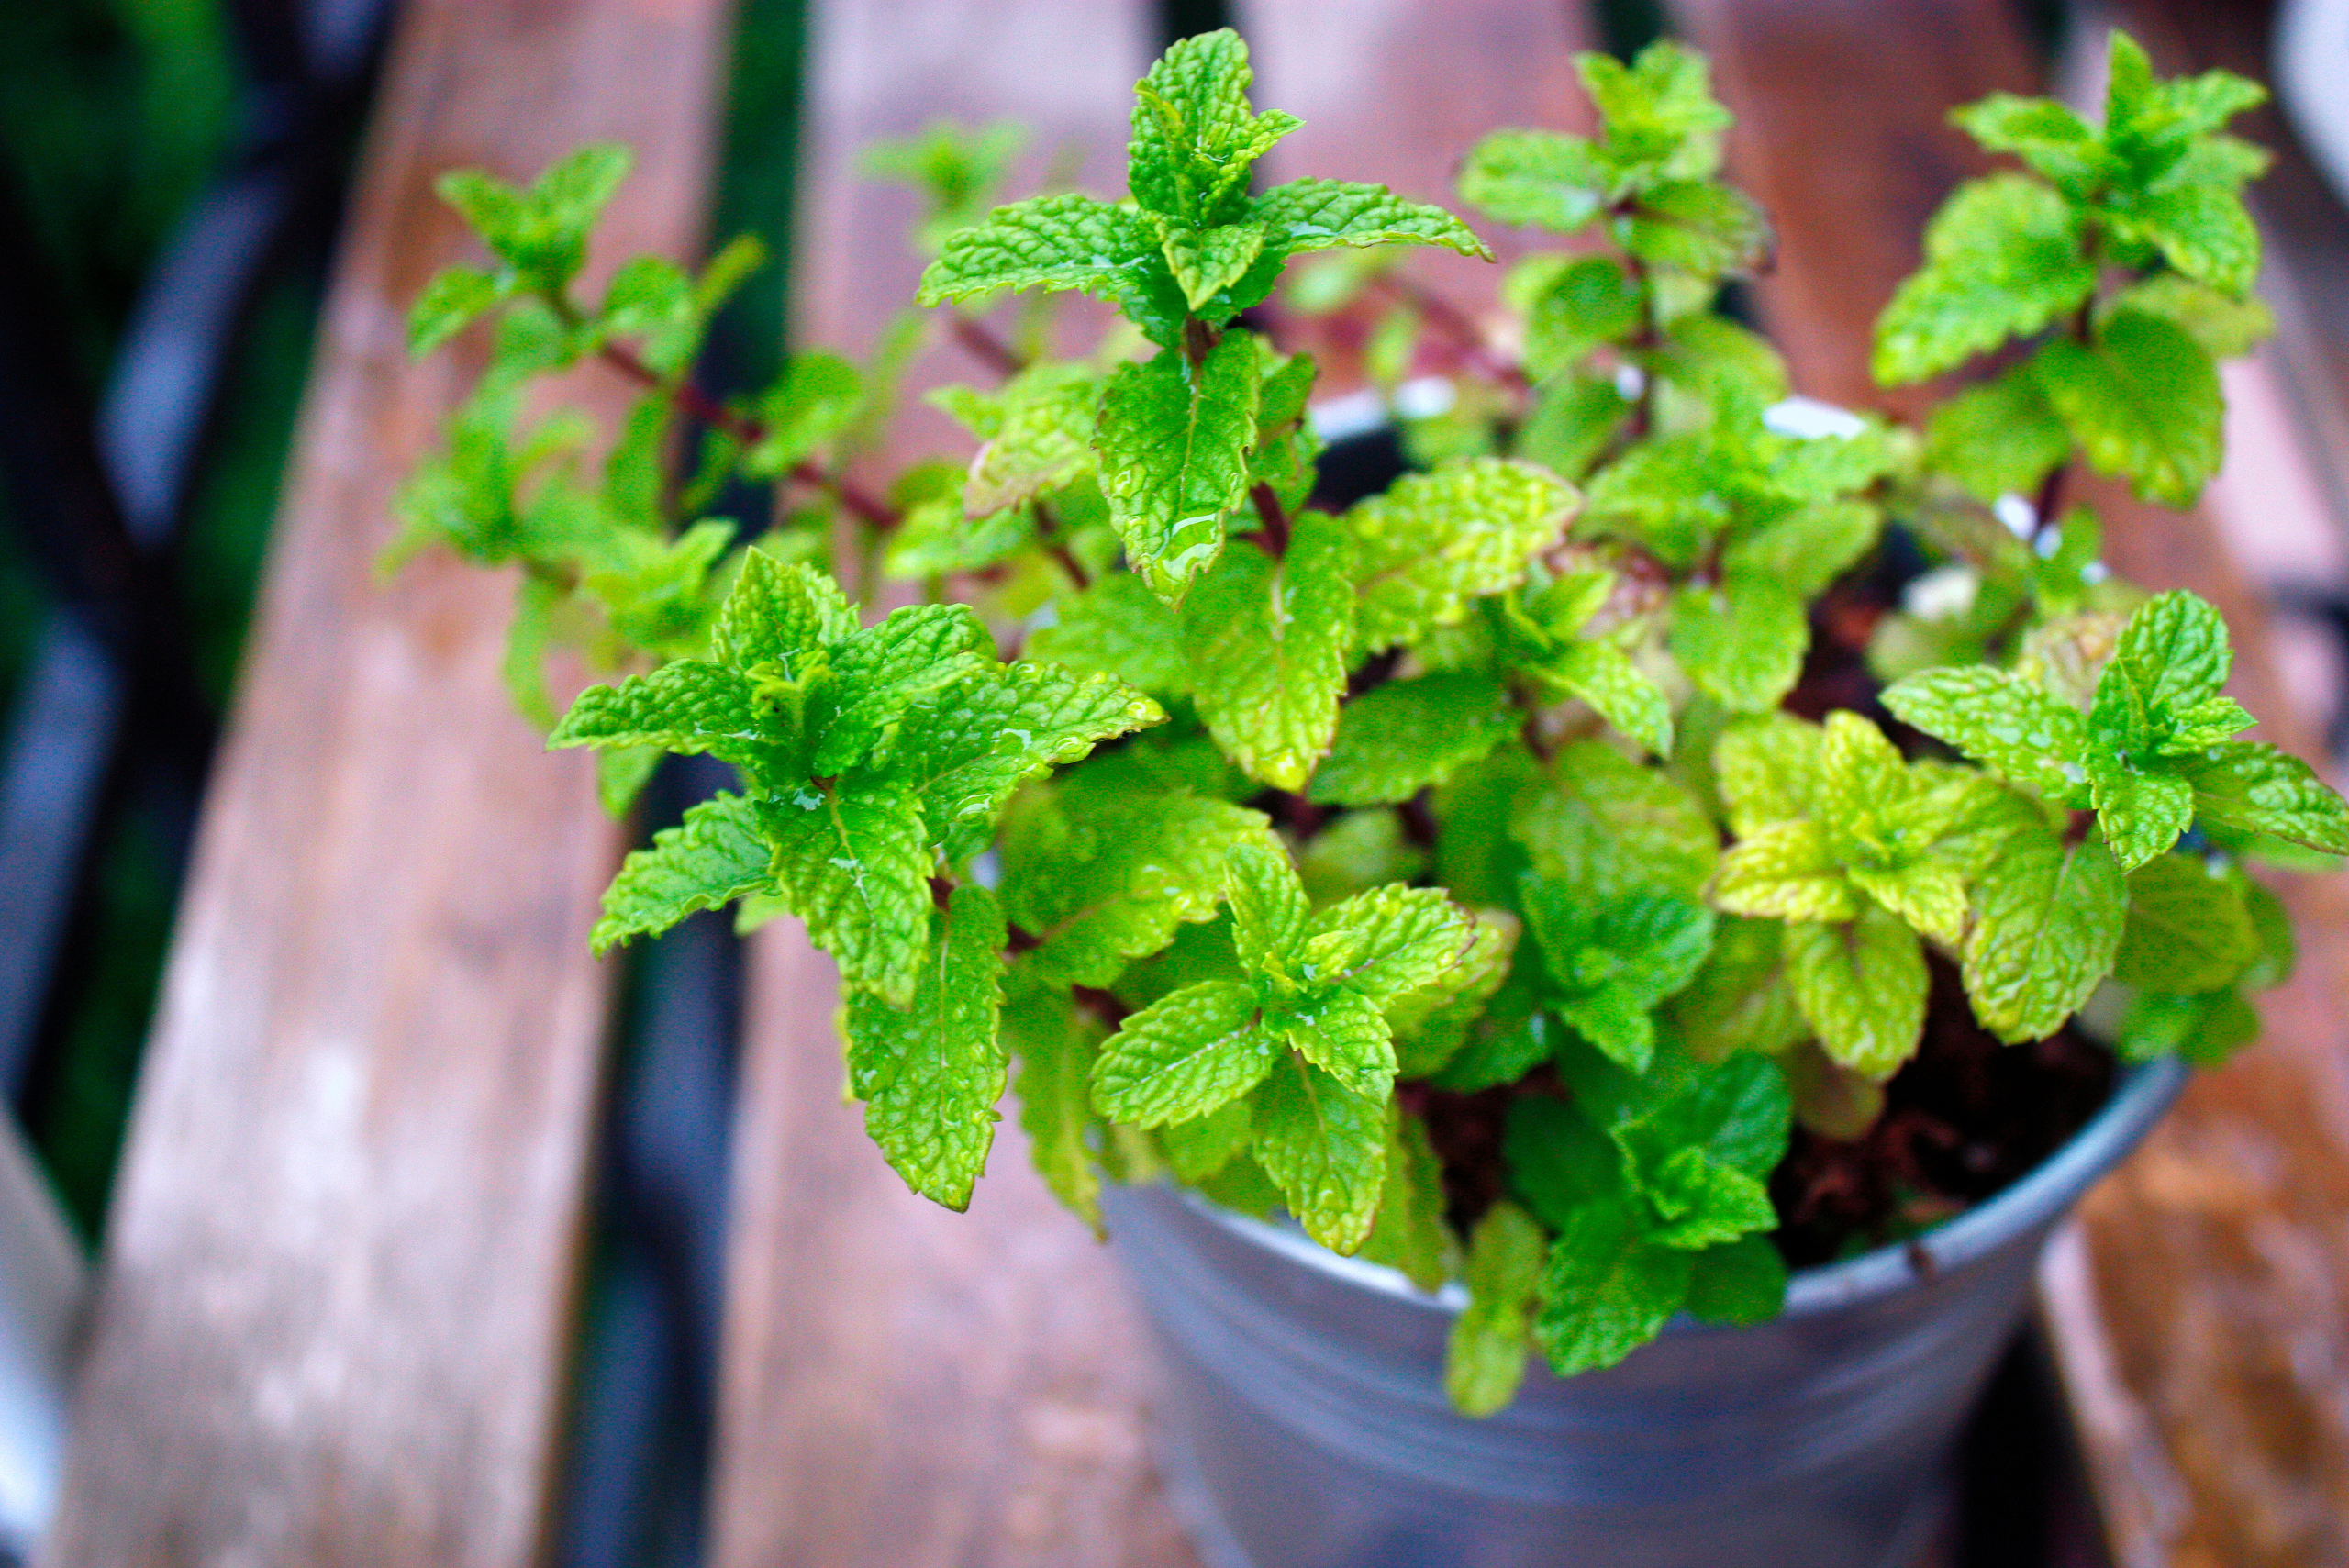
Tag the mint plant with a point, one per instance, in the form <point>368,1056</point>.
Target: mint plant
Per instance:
<point>1261,843</point>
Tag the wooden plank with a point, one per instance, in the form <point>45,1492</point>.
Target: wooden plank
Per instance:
<point>900,1386</point>
<point>334,1302</point>
<point>2199,1312</point>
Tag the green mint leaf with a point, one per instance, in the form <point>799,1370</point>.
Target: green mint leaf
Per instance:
<point>1113,885</point>
<point>1396,740</point>
<point>1268,908</point>
<point>1537,177</point>
<point>685,706</point>
<point>2188,928</point>
<point>1062,242</point>
<point>1861,984</point>
<point>1738,1001</point>
<point>621,774</point>
<point>1434,541</point>
<point>1267,642</point>
<point>528,636</point>
<point>1606,824</point>
<point>2003,257</point>
<point>2202,229</point>
<point>2142,402</point>
<point>2255,788</point>
<point>1039,437</point>
<point>541,233</point>
<point>1055,1056</point>
<point>1661,120</point>
<point>2225,326</point>
<point>2007,724</point>
<point>2000,437</point>
<point>2141,813</point>
<point>1704,1203</point>
<point>1322,215</point>
<point>1786,871</point>
<point>2171,658</point>
<point>1431,1023</point>
<point>1573,306</point>
<point>2047,919</point>
<point>1741,641</point>
<point>453,301</point>
<point>651,298</point>
<point>930,1074</point>
<point>1558,1159</point>
<point>1199,1147</point>
<point>965,752</point>
<point>1341,1033</point>
<point>1388,942</point>
<point>815,398</point>
<point>882,670</point>
<point>853,862</point>
<point>1603,676</point>
<point>778,611</point>
<point>1410,1233</point>
<point>1194,136</point>
<point>1174,446</point>
<point>1608,1288</point>
<point>1807,547</point>
<point>713,857</point>
<point>1767,768</point>
<point>1696,226</point>
<point>1611,961</point>
<point>2044,134</point>
<point>2205,1029</point>
<point>1929,896</point>
<point>1742,1282</point>
<point>1576,420</point>
<point>1184,1056</point>
<point>1324,1147</point>
<point>1208,262</point>
<point>1483,1358</point>
<point>1734,1116</point>
<point>1118,627</point>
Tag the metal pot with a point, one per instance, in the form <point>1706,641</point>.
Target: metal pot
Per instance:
<point>1303,1422</point>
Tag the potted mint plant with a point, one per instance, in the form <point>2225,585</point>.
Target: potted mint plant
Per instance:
<point>1678,891</point>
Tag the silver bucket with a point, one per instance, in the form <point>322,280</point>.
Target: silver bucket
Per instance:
<point>1303,1422</point>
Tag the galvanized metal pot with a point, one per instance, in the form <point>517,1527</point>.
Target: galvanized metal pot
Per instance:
<point>1304,1423</point>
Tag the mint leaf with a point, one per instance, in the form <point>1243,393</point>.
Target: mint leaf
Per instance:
<point>1388,942</point>
<point>851,861</point>
<point>2007,724</point>
<point>1611,961</point>
<point>1485,1354</point>
<point>775,612</point>
<point>882,670</point>
<point>1267,642</point>
<point>1695,227</point>
<point>1268,908</point>
<point>2205,1029</point>
<point>2000,437</point>
<point>1118,627</point>
<point>2047,919</point>
<point>2003,257</point>
<point>706,861</point>
<point>2044,134</point>
<point>1064,241</point>
<point>1608,1288</point>
<point>2258,789</point>
<point>685,706</point>
<point>453,301</point>
<point>1324,1146</point>
<point>1194,136</point>
<point>1320,215</point>
<point>2143,402</point>
<point>929,1075</point>
<point>1807,547</point>
<point>1431,1024</point>
<point>1433,541</point>
<point>1055,1057</point>
<point>1603,676</point>
<point>2188,929</point>
<point>965,753</point>
<point>1559,1160</point>
<point>1174,446</point>
<point>1208,262</point>
<point>1184,1056</point>
<point>1537,177</point>
<point>1788,871</point>
<point>1741,641</point>
<point>1396,740</point>
<point>1199,1147</point>
<point>1768,769</point>
<point>1742,1282</point>
<point>1039,438</point>
<point>1605,823</point>
<point>1661,120</point>
<point>1861,984</point>
<point>2141,813</point>
<point>1738,1000</point>
<point>1410,1234</point>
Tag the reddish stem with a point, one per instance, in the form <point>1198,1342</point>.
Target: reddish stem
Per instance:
<point>1268,508</point>
<point>987,349</point>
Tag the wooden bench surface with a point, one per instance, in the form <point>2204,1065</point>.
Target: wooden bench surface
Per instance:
<point>335,1306</point>
<point>337,1290</point>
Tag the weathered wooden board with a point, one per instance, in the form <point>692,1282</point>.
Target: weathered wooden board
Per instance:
<point>336,1294</point>
<point>903,1387</point>
<point>2200,1316</point>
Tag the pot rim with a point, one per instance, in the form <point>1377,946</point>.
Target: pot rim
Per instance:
<point>2138,1101</point>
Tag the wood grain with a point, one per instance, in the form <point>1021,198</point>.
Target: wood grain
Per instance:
<point>335,1302</point>
<point>903,1387</point>
<point>2199,1312</point>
